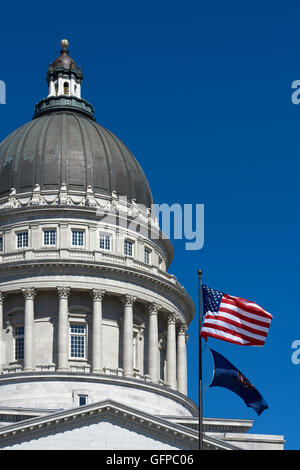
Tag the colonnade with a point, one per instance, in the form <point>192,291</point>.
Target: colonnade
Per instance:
<point>176,357</point>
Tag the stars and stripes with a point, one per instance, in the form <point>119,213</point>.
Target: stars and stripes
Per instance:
<point>234,319</point>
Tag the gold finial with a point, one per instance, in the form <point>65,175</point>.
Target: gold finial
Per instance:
<point>64,44</point>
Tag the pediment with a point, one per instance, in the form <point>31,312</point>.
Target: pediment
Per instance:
<point>100,425</point>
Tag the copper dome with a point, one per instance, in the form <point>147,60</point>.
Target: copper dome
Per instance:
<point>68,147</point>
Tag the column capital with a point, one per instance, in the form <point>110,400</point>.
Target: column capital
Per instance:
<point>172,319</point>
<point>182,329</point>
<point>128,300</point>
<point>154,308</point>
<point>29,293</point>
<point>63,292</point>
<point>97,294</point>
<point>2,298</point>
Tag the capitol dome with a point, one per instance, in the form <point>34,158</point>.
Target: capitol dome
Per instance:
<point>64,146</point>
<point>92,324</point>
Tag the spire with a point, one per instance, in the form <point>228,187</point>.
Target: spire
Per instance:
<point>64,80</point>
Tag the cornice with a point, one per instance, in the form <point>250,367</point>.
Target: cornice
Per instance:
<point>118,413</point>
<point>158,427</point>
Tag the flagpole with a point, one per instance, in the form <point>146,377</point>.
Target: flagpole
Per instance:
<point>200,366</point>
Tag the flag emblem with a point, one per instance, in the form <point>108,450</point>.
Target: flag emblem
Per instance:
<point>228,376</point>
<point>244,381</point>
<point>234,319</point>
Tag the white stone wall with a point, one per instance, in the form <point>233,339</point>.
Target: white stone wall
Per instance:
<point>64,225</point>
<point>103,435</point>
<point>62,393</point>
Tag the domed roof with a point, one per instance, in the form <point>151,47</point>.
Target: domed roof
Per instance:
<point>64,62</point>
<point>68,147</point>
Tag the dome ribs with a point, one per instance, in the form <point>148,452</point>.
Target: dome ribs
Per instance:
<point>18,178</point>
<point>108,158</point>
<point>123,177</point>
<point>6,161</point>
<point>75,153</point>
<point>88,157</point>
<point>40,152</point>
<point>67,147</point>
<point>51,156</point>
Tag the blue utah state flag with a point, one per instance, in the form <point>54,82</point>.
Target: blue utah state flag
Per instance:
<point>228,376</point>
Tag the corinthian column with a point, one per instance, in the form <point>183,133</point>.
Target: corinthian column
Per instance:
<point>29,295</point>
<point>182,363</point>
<point>128,302</point>
<point>2,351</point>
<point>153,357</point>
<point>171,351</point>
<point>63,333</point>
<point>97,352</point>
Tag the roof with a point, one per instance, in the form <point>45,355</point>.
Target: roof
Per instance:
<point>166,430</point>
<point>143,423</point>
<point>64,63</point>
<point>67,147</point>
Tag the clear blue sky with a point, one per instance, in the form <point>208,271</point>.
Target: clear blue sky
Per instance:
<point>200,92</point>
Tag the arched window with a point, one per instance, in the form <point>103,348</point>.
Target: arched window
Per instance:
<point>66,88</point>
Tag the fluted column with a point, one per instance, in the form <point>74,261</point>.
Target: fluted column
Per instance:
<point>141,348</point>
<point>29,295</point>
<point>2,351</point>
<point>186,365</point>
<point>182,363</point>
<point>153,353</point>
<point>171,352</point>
<point>63,328</point>
<point>97,351</point>
<point>128,302</point>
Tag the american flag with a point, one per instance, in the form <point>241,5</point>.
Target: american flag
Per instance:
<point>234,319</point>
